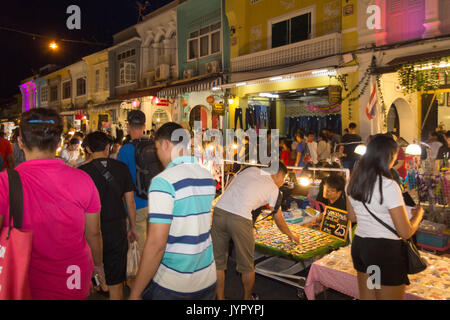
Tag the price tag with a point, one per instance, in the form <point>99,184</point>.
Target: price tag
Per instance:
<point>335,223</point>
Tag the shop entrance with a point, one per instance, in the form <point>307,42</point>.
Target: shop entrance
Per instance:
<point>159,118</point>
<point>393,122</point>
<point>401,117</point>
<point>199,113</point>
<point>308,109</point>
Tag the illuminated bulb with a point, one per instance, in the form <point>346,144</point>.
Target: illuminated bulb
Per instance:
<point>235,146</point>
<point>304,181</point>
<point>413,149</point>
<point>53,46</point>
<point>361,149</point>
<point>230,101</point>
<point>158,120</point>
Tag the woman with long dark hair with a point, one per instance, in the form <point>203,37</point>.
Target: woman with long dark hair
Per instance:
<point>374,247</point>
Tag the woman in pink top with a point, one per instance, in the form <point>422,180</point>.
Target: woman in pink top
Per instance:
<point>61,207</point>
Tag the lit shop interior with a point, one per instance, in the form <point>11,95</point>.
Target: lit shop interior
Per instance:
<point>312,109</point>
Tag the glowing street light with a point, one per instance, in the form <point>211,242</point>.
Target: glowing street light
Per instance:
<point>53,45</point>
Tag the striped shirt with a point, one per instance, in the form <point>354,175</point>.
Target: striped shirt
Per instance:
<point>182,196</point>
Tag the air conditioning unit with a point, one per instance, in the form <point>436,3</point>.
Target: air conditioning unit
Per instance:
<point>174,72</point>
<point>213,67</point>
<point>188,73</point>
<point>162,72</point>
<point>149,78</point>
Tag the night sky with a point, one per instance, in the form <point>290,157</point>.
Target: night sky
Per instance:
<point>21,54</point>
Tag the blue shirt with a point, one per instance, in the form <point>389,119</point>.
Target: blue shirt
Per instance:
<point>182,196</point>
<point>126,155</point>
<point>301,148</point>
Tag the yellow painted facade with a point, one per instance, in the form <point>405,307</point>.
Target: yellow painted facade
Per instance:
<point>250,33</point>
<point>97,92</point>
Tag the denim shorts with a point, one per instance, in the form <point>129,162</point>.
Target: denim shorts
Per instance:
<point>156,292</point>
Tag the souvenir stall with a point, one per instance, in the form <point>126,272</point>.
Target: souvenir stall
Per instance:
<point>279,258</point>
<point>428,182</point>
<point>336,271</point>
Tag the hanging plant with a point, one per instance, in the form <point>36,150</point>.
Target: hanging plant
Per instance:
<point>420,75</point>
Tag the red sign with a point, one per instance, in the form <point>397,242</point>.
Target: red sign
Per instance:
<point>163,103</point>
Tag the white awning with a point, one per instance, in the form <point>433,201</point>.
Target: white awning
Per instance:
<point>280,77</point>
<point>200,85</point>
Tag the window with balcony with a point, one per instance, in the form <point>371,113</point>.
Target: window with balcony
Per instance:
<point>127,73</point>
<point>53,93</point>
<point>66,90</point>
<point>81,86</point>
<point>126,54</point>
<point>97,80</point>
<point>291,30</point>
<point>106,79</point>
<point>44,94</point>
<point>204,42</point>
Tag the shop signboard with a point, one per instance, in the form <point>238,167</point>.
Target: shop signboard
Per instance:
<point>335,223</point>
<point>218,109</point>
<point>334,94</point>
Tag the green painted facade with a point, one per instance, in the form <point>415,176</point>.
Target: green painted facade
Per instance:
<point>192,16</point>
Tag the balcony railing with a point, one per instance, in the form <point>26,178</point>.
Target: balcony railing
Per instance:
<point>289,54</point>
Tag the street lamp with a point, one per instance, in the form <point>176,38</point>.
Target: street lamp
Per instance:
<point>53,45</point>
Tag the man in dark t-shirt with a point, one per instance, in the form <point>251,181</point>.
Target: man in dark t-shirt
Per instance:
<point>114,184</point>
<point>350,142</point>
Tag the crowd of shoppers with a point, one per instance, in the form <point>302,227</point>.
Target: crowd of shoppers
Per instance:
<point>84,208</point>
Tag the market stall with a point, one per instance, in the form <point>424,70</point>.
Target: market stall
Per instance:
<point>428,182</point>
<point>336,271</point>
<point>281,259</point>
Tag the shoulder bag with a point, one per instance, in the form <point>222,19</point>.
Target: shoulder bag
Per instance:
<point>416,263</point>
<point>15,246</point>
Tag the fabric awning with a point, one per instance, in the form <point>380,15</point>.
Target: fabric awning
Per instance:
<point>393,65</point>
<point>152,91</point>
<point>110,105</point>
<point>190,86</point>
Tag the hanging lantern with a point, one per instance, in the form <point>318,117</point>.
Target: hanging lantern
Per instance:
<point>184,102</point>
<point>156,100</point>
<point>210,99</point>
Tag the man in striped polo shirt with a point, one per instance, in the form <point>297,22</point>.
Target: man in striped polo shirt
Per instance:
<point>177,261</point>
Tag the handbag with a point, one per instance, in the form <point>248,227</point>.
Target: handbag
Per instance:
<point>15,247</point>
<point>416,263</point>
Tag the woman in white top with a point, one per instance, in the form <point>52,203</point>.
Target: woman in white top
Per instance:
<point>374,246</point>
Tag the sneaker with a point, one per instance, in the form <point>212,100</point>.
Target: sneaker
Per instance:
<point>255,296</point>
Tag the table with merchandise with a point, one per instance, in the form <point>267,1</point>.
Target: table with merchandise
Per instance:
<point>336,271</point>
<point>283,259</point>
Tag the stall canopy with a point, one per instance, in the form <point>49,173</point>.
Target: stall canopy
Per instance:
<point>193,84</point>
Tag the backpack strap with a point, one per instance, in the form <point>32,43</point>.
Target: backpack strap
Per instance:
<point>381,222</point>
<point>107,175</point>
<point>15,200</point>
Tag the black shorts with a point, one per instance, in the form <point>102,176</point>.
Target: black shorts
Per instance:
<point>115,249</point>
<point>389,255</point>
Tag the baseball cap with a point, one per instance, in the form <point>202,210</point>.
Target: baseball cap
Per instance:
<point>136,117</point>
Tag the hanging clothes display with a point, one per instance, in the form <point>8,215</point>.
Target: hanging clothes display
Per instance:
<point>311,123</point>
<point>238,115</point>
<point>257,117</point>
